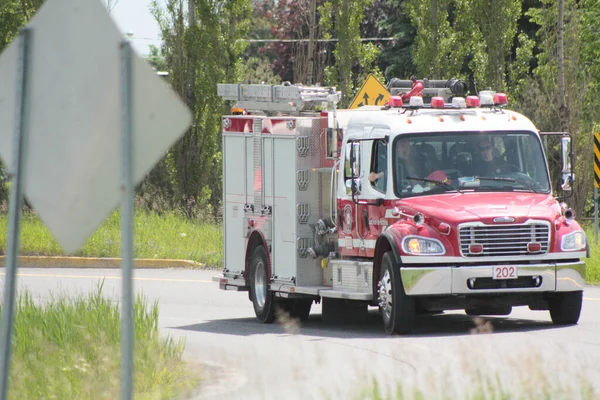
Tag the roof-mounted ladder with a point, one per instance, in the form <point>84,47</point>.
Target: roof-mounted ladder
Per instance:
<point>282,98</point>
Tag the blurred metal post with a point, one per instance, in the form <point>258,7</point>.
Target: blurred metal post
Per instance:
<point>596,214</point>
<point>127,221</point>
<point>14,214</point>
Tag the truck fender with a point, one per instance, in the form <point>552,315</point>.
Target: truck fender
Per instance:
<point>256,239</point>
<point>385,242</point>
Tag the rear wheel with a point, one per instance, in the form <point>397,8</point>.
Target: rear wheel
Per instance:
<point>262,298</point>
<point>397,309</point>
<point>565,307</point>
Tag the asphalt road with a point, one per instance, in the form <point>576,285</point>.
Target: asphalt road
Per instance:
<point>524,355</point>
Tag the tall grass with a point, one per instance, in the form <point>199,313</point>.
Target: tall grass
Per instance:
<point>475,370</point>
<point>155,236</point>
<point>68,348</point>
<point>593,263</point>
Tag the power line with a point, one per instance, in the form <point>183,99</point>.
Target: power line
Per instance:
<point>289,40</point>
<point>316,40</point>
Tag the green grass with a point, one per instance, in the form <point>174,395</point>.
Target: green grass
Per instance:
<point>488,388</point>
<point>530,375</point>
<point>593,263</point>
<point>69,349</point>
<point>155,236</point>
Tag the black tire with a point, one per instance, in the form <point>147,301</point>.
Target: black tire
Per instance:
<point>298,308</point>
<point>258,279</point>
<point>565,307</point>
<point>397,309</point>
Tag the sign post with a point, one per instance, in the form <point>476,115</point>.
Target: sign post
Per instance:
<point>14,205</point>
<point>127,328</point>
<point>76,114</point>
<point>596,182</point>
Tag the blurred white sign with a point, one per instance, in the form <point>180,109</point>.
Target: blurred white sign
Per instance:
<point>73,157</point>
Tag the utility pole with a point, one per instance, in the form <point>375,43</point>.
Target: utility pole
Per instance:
<point>564,109</point>
<point>191,57</point>
<point>311,42</point>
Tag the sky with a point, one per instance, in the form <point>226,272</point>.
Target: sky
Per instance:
<point>134,16</point>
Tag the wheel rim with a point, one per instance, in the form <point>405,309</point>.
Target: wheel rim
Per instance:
<point>385,294</point>
<point>260,284</point>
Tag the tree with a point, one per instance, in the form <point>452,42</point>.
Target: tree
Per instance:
<point>295,57</point>
<point>438,50</point>
<point>258,70</point>
<point>396,59</point>
<point>465,38</point>
<point>155,59</point>
<point>201,48</point>
<point>562,82</point>
<point>13,15</point>
<point>487,30</point>
<point>353,60</point>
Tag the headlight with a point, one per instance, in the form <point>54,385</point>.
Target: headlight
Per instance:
<point>422,246</point>
<point>573,241</point>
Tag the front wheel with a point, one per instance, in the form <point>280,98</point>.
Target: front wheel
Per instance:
<point>262,298</point>
<point>397,309</point>
<point>565,307</point>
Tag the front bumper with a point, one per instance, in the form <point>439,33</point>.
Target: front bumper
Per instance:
<point>465,279</point>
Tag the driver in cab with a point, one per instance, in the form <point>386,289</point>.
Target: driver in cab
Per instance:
<point>489,164</point>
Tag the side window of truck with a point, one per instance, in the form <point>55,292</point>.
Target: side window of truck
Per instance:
<point>352,167</point>
<point>379,166</point>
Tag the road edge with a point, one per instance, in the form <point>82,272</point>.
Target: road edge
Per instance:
<point>99,262</point>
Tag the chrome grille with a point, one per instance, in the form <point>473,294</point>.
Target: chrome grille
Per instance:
<point>503,240</point>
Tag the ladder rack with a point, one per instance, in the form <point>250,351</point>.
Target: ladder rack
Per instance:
<point>282,98</point>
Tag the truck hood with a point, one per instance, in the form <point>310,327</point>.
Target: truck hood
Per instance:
<point>484,207</point>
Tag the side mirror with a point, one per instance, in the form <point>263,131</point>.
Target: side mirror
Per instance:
<point>567,172</point>
<point>353,187</point>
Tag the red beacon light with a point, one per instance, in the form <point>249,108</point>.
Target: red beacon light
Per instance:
<point>395,101</point>
<point>472,101</point>
<point>500,99</point>
<point>437,102</point>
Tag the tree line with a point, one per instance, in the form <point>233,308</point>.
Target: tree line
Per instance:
<point>543,53</point>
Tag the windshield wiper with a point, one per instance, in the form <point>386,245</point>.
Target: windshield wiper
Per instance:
<point>522,184</point>
<point>444,184</point>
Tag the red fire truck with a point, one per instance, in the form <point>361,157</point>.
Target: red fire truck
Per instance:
<point>412,207</point>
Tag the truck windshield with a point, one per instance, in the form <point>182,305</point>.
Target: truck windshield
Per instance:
<point>476,161</point>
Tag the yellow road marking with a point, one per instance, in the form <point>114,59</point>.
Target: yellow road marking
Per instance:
<point>112,277</point>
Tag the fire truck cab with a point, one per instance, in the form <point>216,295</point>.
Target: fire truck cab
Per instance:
<point>411,208</point>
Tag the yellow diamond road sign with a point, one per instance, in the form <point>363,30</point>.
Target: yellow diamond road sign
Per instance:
<point>372,93</point>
